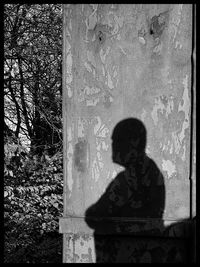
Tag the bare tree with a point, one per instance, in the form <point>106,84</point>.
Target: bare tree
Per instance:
<point>32,73</point>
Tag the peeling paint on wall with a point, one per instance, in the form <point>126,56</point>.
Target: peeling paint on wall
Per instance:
<point>69,167</point>
<point>176,18</point>
<point>125,61</point>
<point>185,107</point>
<point>69,159</point>
<point>169,167</point>
<point>83,252</point>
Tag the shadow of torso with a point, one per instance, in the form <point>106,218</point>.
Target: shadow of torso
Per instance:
<point>136,193</point>
<point>128,218</point>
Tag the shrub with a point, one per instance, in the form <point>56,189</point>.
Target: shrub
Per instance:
<point>32,197</point>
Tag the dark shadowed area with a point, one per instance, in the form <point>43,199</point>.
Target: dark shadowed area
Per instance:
<point>135,195</point>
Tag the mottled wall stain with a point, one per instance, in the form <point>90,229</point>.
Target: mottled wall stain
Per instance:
<point>126,61</point>
<point>80,155</point>
<point>83,252</point>
<point>169,167</point>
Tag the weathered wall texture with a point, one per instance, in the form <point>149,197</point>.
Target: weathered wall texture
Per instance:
<point>124,61</point>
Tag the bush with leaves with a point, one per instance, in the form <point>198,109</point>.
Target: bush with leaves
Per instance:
<point>33,197</point>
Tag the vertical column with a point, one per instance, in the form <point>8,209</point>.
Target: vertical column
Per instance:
<point>123,61</point>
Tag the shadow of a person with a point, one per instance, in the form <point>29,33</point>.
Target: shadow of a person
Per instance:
<point>136,192</point>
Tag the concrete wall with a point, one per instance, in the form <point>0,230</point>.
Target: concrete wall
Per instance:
<point>123,61</point>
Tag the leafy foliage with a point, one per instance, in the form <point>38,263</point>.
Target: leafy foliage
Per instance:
<point>32,110</point>
<point>32,198</point>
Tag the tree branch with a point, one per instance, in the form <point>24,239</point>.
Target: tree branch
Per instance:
<point>23,100</point>
<point>16,105</point>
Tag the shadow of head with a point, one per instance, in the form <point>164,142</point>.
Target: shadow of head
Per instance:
<point>128,141</point>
